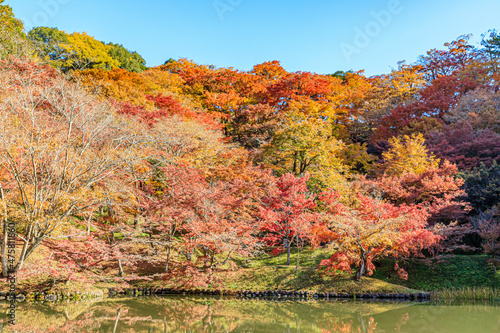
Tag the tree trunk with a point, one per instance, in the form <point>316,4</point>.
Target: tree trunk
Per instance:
<point>361,270</point>
<point>120,274</point>
<point>117,319</point>
<point>212,260</point>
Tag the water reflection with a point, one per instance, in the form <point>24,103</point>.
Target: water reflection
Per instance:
<point>202,314</point>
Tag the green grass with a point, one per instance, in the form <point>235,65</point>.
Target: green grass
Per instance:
<point>308,258</point>
<point>288,278</point>
<point>468,294</point>
<point>448,274</point>
<point>443,272</point>
<point>271,272</point>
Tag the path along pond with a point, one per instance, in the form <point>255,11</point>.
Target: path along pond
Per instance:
<point>222,314</point>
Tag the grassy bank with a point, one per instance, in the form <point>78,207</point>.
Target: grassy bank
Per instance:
<point>457,277</point>
<point>442,273</point>
<point>467,294</point>
<point>287,278</point>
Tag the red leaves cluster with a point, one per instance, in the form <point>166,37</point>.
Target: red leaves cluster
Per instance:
<point>464,147</point>
<point>297,86</point>
<point>435,101</point>
<point>338,261</point>
<point>287,213</point>
<point>437,189</point>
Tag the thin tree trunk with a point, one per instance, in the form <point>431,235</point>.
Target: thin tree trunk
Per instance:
<point>155,250</point>
<point>228,257</point>
<point>212,259</point>
<point>117,319</point>
<point>120,274</point>
<point>66,314</point>
<point>26,252</point>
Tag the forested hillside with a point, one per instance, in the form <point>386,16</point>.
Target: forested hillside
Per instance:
<point>109,168</point>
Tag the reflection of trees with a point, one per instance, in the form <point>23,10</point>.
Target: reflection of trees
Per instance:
<point>198,314</point>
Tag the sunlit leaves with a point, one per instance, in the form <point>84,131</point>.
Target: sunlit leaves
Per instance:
<point>408,155</point>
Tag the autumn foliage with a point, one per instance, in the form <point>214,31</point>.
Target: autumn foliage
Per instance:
<point>374,229</point>
<point>173,171</point>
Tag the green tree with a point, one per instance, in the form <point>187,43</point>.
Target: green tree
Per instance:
<point>491,43</point>
<point>131,61</point>
<point>50,44</point>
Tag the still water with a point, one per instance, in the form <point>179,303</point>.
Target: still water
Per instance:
<point>203,314</point>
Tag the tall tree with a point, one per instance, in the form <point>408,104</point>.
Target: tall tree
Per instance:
<point>58,145</point>
<point>479,108</point>
<point>50,44</point>
<point>437,189</point>
<point>287,212</point>
<point>76,51</point>
<point>483,187</point>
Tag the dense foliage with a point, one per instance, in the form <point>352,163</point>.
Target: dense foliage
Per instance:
<point>176,170</point>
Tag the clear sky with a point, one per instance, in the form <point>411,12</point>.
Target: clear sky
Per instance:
<point>320,36</point>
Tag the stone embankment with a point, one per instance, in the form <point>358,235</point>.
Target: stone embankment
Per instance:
<point>249,294</point>
<point>268,294</point>
<point>53,296</point>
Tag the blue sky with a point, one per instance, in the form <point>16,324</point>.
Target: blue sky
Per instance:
<point>320,36</point>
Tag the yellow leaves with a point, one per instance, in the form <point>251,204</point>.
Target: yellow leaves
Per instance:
<point>405,82</point>
<point>86,51</point>
<point>311,108</point>
<point>356,157</point>
<point>408,155</point>
<point>306,144</point>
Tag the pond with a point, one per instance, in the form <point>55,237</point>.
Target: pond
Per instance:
<point>206,314</point>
